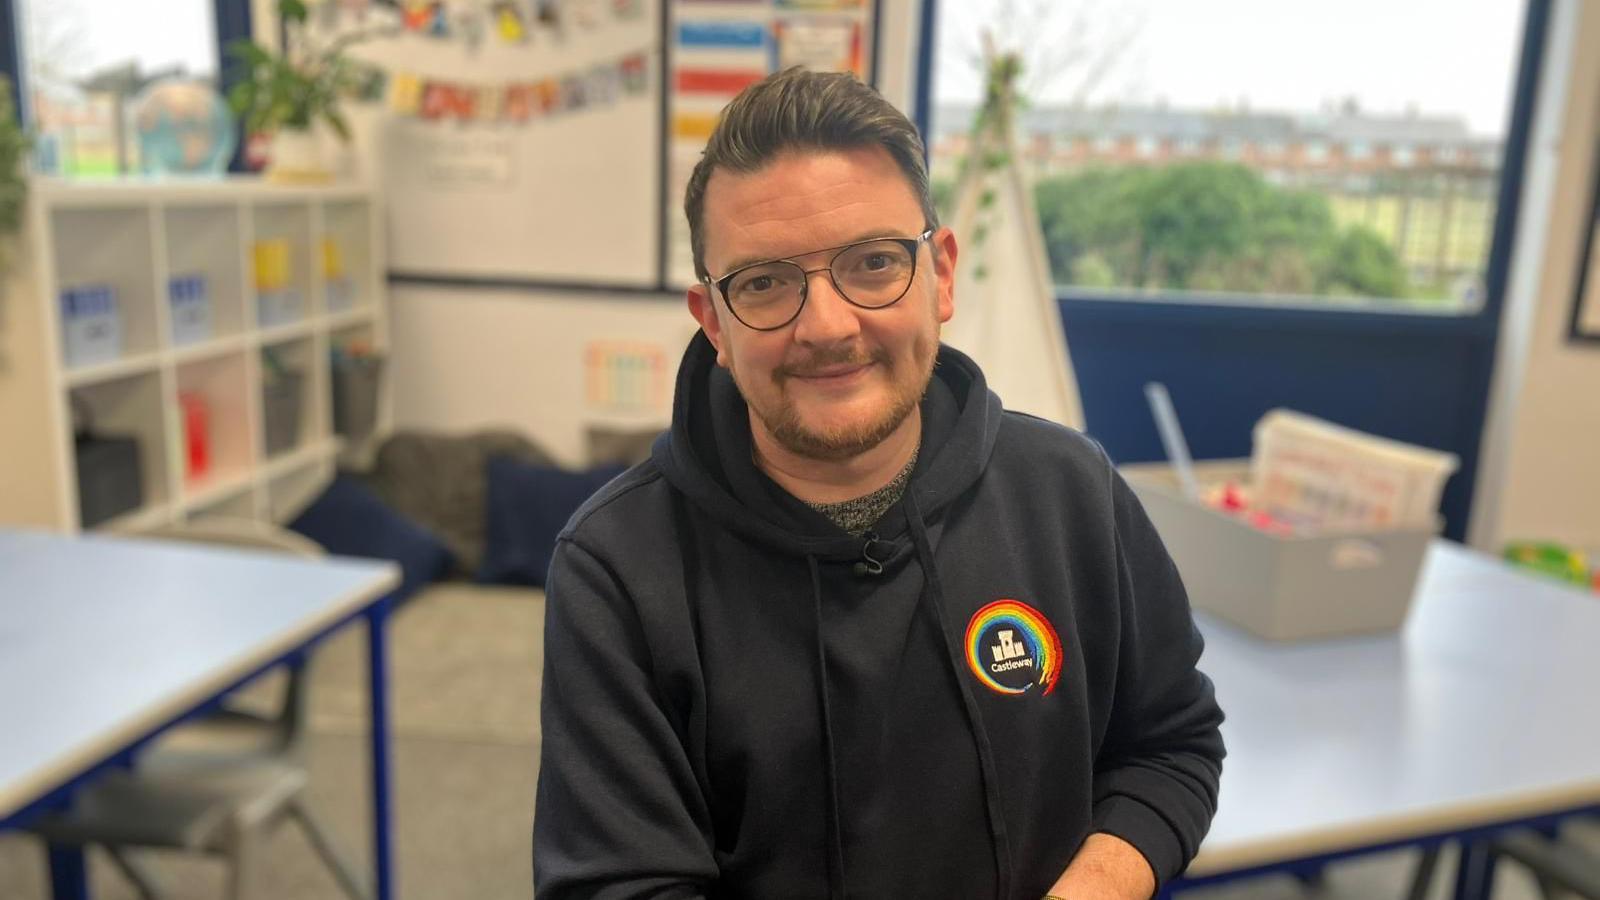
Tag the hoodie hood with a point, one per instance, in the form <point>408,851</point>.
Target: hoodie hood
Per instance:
<point>707,453</point>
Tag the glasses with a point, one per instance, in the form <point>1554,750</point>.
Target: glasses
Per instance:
<point>870,274</point>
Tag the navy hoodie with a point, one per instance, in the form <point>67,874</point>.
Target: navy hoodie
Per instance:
<point>741,700</point>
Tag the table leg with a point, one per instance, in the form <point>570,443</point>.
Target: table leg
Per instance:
<point>69,876</point>
<point>378,680</point>
<point>1475,874</point>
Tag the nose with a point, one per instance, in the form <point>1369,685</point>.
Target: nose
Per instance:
<point>826,318</point>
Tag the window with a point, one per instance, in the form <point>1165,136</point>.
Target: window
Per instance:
<point>1325,155</point>
<point>85,62</point>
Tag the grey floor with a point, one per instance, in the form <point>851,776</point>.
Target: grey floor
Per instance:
<point>466,740</point>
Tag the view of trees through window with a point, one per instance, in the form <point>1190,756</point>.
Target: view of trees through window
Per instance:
<point>1249,146</point>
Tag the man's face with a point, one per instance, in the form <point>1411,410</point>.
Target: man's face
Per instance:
<point>838,379</point>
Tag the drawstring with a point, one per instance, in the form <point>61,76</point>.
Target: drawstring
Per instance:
<point>835,834</point>
<point>991,781</point>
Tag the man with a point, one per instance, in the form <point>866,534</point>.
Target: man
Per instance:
<point>854,630</point>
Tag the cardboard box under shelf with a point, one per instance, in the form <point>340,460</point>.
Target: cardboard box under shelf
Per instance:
<point>1280,587</point>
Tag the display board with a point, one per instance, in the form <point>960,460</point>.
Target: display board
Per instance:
<point>716,48</point>
<point>548,142</point>
<point>513,141</point>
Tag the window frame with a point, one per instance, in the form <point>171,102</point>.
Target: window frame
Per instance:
<point>1136,328</point>
<point>231,19</point>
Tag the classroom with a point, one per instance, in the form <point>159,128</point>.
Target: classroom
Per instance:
<point>799,448</point>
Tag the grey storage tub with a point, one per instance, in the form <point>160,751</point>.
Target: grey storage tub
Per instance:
<point>1280,587</point>
<point>282,397</point>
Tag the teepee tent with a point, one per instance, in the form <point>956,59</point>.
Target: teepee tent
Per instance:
<point>1006,315</point>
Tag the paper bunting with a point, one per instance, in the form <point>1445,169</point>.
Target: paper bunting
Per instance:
<point>603,84</point>
<point>448,101</point>
<point>508,22</point>
<point>519,102</point>
<point>634,76</point>
<point>548,92</point>
<point>574,93</point>
<point>405,94</point>
<point>371,84</point>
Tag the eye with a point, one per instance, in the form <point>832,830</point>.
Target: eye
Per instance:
<point>876,262</point>
<point>760,283</point>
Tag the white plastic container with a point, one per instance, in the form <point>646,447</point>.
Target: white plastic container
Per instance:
<point>1307,470</point>
<point>282,306</point>
<point>1280,586</point>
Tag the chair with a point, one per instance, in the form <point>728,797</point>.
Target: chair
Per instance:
<point>216,784</point>
<point>1557,863</point>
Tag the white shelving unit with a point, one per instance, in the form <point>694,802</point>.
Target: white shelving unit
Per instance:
<point>266,388</point>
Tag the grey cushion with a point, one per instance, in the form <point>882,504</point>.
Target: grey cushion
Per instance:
<point>440,480</point>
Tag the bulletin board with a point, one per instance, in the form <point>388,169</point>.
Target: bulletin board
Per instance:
<point>549,142</point>
<point>716,48</point>
<point>514,141</point>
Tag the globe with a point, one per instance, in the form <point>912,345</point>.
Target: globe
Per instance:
<point>184,128</point>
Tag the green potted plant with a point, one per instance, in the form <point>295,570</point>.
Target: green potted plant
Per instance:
<point>14,147</point>
<point>287,95</point>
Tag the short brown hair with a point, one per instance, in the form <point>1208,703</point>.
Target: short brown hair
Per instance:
<point>797,109</point>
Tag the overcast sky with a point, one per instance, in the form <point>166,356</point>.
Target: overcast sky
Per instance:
<point>1439,56</point>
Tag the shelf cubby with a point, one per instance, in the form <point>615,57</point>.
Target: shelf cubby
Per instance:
<point>110,249</point>
<point>221,386</point>
<point>345,259</point>
<point>123,409</point>
<point>281,264</point>
<point>128,240</point>
<point>203,242</point>
<point>291,409</point>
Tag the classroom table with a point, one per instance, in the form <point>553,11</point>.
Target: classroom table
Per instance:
<point>1482,713</point>
<point>105,642</point>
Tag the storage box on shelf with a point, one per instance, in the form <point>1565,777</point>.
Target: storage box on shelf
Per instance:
<point>168,348</point>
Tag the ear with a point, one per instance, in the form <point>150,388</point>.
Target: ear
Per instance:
<point>943,248</point>
<point>704,310</point>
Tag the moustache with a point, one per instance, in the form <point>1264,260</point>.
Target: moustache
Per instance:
<point>823,360</point>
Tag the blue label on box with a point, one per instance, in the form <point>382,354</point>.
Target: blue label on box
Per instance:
<point>91,329</point>
<point>190,303</point>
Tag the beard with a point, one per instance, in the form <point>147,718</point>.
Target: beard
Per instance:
<point>784,422</point>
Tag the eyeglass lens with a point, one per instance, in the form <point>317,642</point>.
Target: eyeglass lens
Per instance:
<point>873,274</point>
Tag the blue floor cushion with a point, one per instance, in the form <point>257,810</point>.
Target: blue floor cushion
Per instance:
<point>528,505</point>
<point>348,519</point>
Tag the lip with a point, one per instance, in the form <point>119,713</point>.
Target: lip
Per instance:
<point>834,375</point>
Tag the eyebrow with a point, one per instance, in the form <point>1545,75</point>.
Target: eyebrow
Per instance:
<point>872,235</point>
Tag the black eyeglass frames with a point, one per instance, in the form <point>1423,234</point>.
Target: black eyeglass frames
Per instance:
<point>871,274</point>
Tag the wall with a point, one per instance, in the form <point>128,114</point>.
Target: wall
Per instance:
<point>469,359</point>
<point>1540,476</point>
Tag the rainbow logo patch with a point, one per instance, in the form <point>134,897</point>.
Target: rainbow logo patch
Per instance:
<point>1012,648</point>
